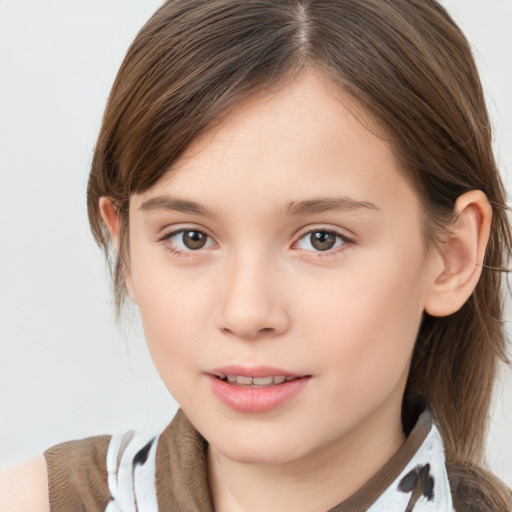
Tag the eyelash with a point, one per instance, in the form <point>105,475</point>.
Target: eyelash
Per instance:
<point>346,241</point>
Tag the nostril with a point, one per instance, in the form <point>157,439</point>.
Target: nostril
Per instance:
<point>260,332</point>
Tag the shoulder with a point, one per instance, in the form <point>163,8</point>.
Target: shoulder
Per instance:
<point>114,473</point>
<point>25,487</point>
<point>77,474</point>
<point>97,474</point>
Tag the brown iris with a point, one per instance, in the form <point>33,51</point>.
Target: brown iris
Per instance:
<point>194,239</point>
<point>322,240</point>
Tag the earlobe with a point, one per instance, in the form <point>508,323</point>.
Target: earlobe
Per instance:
<point>458,265</point>
<point>110,215</point>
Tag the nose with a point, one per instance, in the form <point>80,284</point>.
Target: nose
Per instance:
<point>252,299</point>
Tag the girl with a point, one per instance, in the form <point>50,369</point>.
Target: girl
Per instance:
<point>303,202</point>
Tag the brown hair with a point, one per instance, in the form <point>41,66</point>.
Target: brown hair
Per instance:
<point>412,69</point>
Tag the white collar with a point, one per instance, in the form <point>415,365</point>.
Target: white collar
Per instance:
<point>423,485</point>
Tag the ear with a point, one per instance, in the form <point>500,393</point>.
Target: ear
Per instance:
<point>110,216</point>
<point>458,265</point>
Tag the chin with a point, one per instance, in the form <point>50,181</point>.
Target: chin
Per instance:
<point>251,451</point>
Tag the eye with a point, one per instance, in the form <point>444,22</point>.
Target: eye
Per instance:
<point>322,240</point>
<point>187,240</point>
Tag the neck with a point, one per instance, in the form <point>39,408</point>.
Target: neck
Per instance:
<point>318,481</point>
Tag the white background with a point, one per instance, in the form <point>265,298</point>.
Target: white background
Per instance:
<point>66,370</point>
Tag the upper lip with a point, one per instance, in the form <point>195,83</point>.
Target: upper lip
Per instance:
<point>254,371</point>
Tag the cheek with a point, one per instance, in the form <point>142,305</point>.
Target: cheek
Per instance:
<point>367,321</point>
<point>175,309</point>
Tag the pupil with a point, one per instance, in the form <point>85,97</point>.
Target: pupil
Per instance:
<point>194,239</point>
<point>322,240</point>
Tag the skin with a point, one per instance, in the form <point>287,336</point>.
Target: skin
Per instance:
<point>25,488</point>
<point>260,293</point>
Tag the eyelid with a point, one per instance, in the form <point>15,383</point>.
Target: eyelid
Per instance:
<point>174,231</point>
<point>312,228</point>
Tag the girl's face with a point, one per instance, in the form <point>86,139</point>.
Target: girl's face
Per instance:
<point>285,243</point>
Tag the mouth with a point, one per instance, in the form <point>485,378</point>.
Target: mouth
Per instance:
<point>255,382</point>
<point>256,390</point>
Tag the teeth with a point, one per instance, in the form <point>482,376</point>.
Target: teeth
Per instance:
<point>255,381</point>
<point>264,381</point>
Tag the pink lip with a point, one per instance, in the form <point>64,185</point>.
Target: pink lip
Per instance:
<point>254,400</point>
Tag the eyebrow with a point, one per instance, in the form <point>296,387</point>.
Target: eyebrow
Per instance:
<point>327,204</point>
<point>177,205</point>
<point>295,208</point>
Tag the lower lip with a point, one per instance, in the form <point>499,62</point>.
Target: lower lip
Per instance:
<point>246,399</point>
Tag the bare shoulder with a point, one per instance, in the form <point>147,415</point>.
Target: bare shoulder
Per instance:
<point>25,487</point>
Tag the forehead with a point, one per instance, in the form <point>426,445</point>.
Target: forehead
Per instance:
<point>307,139</point>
